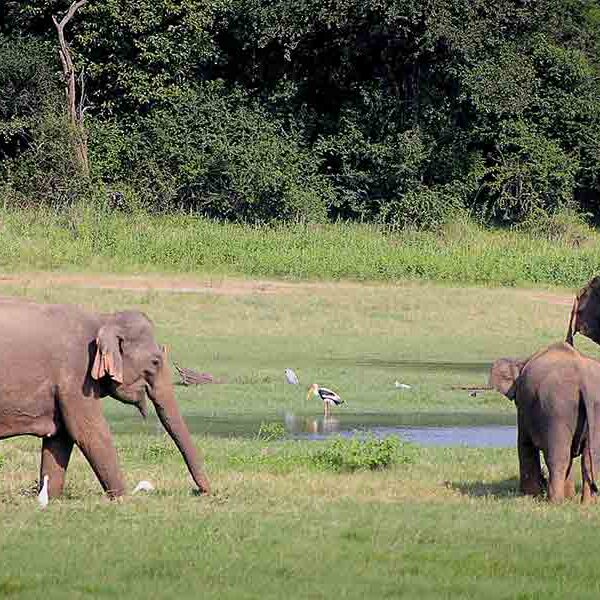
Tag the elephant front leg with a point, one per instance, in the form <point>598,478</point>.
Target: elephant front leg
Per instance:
<point>98,448</point>
<point>532,482</point>
<point>90,431</point>
<point>56,452</point>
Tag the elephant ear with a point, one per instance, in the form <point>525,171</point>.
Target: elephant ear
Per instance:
<point>504,374</point>
<point>585,314</point>
<point>108,359</point>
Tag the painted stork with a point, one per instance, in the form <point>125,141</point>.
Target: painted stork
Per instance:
<point>329,397</point>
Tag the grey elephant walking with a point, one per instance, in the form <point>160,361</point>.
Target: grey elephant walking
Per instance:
<point>557,394</point>
<point>56,364</point>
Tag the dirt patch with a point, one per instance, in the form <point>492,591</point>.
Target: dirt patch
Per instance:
<point>548,298</point>
<point>188,284</point>
<point>161,283</point>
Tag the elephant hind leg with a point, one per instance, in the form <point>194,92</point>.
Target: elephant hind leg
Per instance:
<point>570,482</point>
<point>532,482</point>
<point>559,465</point>
<point>587,497</point>
<point>56,452</point>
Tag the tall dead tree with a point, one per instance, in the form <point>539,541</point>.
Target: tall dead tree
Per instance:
<point>75,97</point>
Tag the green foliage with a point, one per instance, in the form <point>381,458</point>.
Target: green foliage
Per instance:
<point>401,113</point>
<point>219,154</point>
<point>527,172</point>
<point>28,94</point>
<point>46,172</point>
<point>344,454</point>
<point>270,432</point>
<point>565,227</point>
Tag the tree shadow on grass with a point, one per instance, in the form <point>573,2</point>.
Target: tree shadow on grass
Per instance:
<point>506,488</point>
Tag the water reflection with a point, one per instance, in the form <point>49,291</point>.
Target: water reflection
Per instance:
<point>428,429</point>
<point>479,436</point>
<point>312,426</point>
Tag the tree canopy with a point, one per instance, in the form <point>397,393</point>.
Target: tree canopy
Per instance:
<point>396,111</point>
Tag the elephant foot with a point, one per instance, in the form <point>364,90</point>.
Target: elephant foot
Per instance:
<point>570,489</point>
<point>533,487</point>
<point>587,497</point>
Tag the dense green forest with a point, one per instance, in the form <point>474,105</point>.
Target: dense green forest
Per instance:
<point>397,111</point>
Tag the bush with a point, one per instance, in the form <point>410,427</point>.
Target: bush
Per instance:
<point>343,454</point>
<point>28,88</point>
<point>565,226</point>
<point>528,172</point>
<point>219,154</point>
<point>46,172</point>
<point>271,432</point>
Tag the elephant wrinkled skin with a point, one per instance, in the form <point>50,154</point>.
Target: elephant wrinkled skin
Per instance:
<point>57,362</point>
<point>557,394</point>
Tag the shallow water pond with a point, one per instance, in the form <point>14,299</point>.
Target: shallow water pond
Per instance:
<point>428,429</point>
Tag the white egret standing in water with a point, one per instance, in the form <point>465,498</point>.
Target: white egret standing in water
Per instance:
<point>329,397</point>
<point>43,495</point>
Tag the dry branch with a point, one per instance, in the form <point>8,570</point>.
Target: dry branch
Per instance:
<point>191,377</point>
<point>75,108</point>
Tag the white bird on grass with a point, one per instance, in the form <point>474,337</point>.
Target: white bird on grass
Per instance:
<point>329,397</point>
<point>402,386</point>
<point>43,495</point>
<point>143,486</point>
<point>291,377</point>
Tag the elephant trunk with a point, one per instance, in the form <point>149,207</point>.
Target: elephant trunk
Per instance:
<point>572,329</point>
<point>163,397</point>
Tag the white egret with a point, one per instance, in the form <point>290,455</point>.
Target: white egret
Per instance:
<point>329,397</point>
<point>43,495</point>
<point>291,377</point>
<point>143,486</point>
<point>402,386</point>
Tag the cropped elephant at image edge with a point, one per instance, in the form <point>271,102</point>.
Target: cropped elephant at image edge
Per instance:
<point>557,395</point>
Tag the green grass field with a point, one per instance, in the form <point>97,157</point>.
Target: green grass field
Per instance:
<point>557,252</point>
<point>447,523</point>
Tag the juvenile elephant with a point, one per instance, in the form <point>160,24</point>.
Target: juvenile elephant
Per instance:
<point>58,361</point>
<point>557,394</point>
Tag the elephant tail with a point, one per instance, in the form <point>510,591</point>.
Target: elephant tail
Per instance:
<point>571,331</point>
<point>588,401</point>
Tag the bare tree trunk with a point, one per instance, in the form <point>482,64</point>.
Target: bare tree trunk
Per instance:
<point>75,106</point>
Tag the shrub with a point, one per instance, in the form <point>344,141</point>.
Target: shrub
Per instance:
<point>565,226</point>
<point>219,154</point>
<point>528,172</point>
<point>270,432</point>
<point>343,454</point>
<point>46,172</point>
